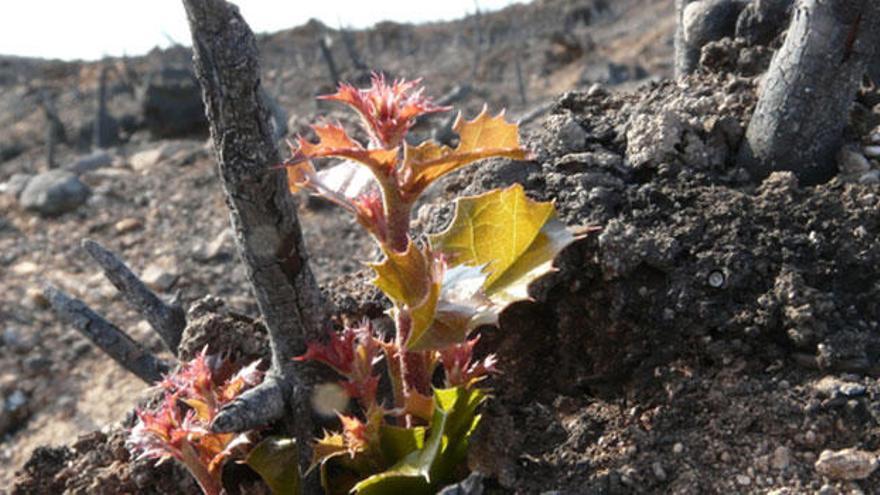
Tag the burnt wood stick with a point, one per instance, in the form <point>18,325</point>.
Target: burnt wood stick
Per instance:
<point>351,49</point>
<point>806,95</point>
<point>109,338</point>
<point>168,320</point>
<point>328,59</point>
<point>100,128</point>
<point>520,82</point>
<point>263,216</point>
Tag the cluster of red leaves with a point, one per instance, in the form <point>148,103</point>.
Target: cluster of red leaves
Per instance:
<point>352,353</point>
<point>180,427</point>
<point>387,111</point>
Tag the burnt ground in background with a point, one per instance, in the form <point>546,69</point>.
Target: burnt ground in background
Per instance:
<point>716,336</point>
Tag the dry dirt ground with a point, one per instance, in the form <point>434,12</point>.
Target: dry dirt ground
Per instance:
<point>717,336</point>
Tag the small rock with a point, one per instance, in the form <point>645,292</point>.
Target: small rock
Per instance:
<point>781,459</point>
<point>853,389</point>
<point>871,151</point>
<point>159,277</point>
<point>846,464</point>
<point>54,192</point>
<point>90,162</point>
<point>851,161</point>
<point>36,299</point>
<point>827,490</point>
<point>217,248</point>
<point>145,160</point>
<point>127,225</point>
<point>743,480</point>
<point>16,184</point>
<point>678,448</point>
<point>658,470</point>
<point>872,177</point>
<point>472,485</point>
<point>25,268</point>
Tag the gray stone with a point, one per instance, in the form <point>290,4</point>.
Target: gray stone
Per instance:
<point>94,161</point>
<point>16,184</point>
<point>872,177</point>
<point>852,162</point>
<point>54,192</point>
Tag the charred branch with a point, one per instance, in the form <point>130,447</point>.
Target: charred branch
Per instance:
<point>806,96</point>
<point>327,55</point>
<point>263,216</point>
<point>101,121</point>
<point>351,49</point>
<point>168,320</point>
<point>54,128</point>
<point>109,338</point>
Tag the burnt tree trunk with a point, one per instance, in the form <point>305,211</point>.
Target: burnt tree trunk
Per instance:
<point>807,92</point>
<point>263,217</point>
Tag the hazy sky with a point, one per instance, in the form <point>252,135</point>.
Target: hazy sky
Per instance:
<point>90,29</point>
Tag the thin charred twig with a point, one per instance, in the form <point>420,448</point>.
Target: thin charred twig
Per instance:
<point>113,341</point>
<point>54,128</point>
<point>328,59</point>
<point>351,48</point>
<point>168,320</point>
<point>101,121</point>
<point>536,112</point>
<point>520,82</point>
<point>263,216</point>
<point>459,92</point>
<point>478,40</point>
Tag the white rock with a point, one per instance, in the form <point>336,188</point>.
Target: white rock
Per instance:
<point>161,275</point>
<point>846,464</point>
<point>145,160</point>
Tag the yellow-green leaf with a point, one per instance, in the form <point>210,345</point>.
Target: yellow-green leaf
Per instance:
<point>483,137</point>
<point>404,277</point>
<point>496,229</point>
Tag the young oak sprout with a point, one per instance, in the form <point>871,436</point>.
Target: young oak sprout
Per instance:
<point>498,243</point>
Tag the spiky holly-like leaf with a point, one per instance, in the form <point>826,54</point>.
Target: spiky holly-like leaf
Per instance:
<point>276,460</point>
<point>483,137</point>
<point>514,237</point>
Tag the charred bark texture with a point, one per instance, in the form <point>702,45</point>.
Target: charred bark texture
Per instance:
<point>807,92</point>
<point>263,216</point>
<point>168,320</point>
<point>101,128</point>
<point>107,336</point>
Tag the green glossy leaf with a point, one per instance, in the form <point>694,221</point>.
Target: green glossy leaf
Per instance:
<point>424,470</point>
<point>397,442</point>
<point>276,460</point>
